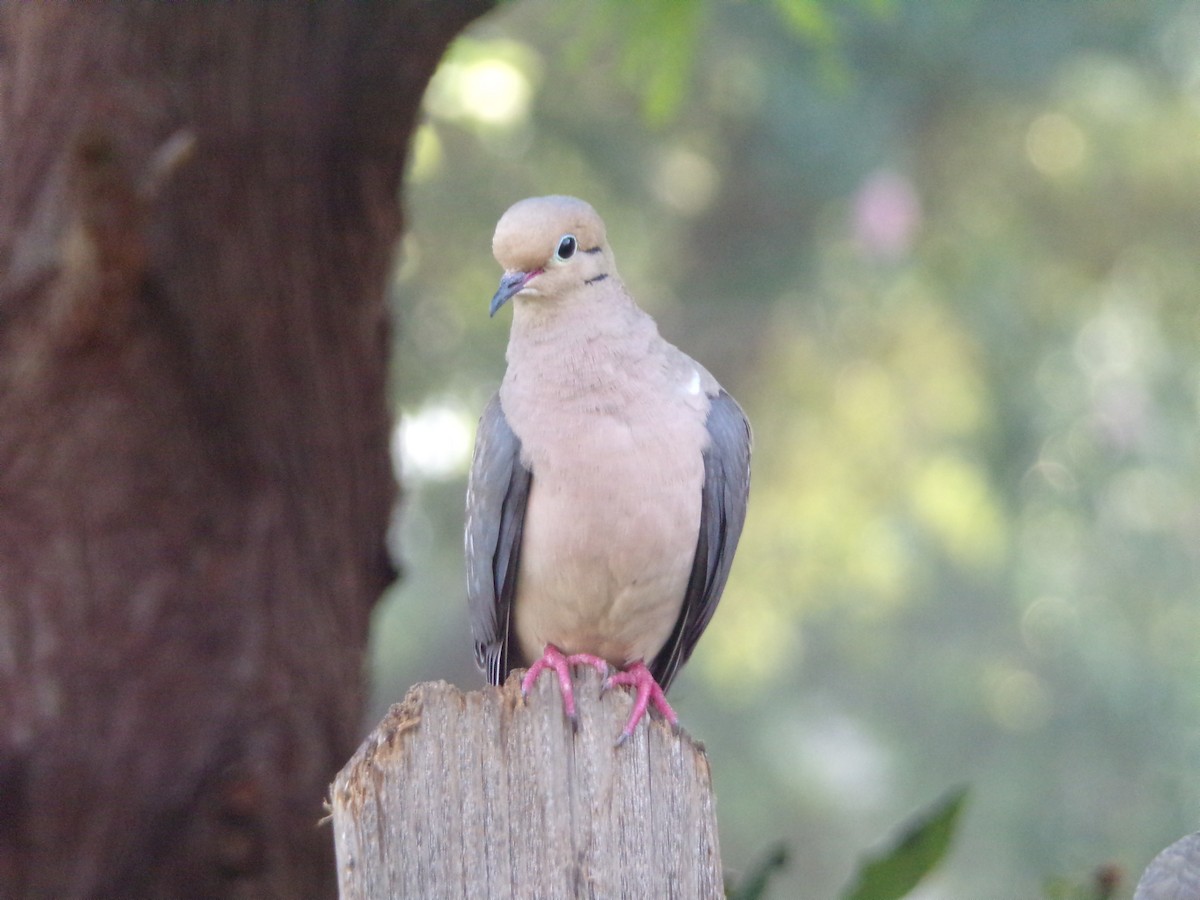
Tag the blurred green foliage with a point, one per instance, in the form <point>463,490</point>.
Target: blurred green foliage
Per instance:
<point>756,881</point>
<point>922,843</point>
<point>1103,885</point>
<point>946,255</point>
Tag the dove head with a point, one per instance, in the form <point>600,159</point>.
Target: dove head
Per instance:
<point>549,246</point>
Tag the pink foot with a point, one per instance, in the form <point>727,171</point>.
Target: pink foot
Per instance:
<point>553,658</point>
<point>648,692</point>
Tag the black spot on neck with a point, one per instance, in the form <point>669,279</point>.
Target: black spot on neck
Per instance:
<point>597,278</point>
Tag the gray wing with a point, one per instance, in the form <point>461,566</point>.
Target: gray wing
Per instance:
<point>722,514</point>
<point>497,492</point>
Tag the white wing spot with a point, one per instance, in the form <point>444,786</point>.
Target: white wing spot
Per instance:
<point>694,385</point>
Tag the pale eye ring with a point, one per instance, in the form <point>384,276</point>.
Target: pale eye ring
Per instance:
<point>566,247</point>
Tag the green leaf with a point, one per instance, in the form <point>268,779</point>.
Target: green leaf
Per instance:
<point>754,884</point>
<point>918,849</point>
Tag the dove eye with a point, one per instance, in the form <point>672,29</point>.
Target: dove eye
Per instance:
<point>566,248</point>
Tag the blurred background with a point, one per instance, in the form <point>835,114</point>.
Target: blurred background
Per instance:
<point>947,256</point>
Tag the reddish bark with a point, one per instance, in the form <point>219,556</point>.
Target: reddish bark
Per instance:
<point>198,206</point>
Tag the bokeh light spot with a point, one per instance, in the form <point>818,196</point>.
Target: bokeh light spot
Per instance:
<point>432,443</point>
<point>1055,144</point>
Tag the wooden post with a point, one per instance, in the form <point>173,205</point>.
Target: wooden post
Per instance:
<point>481,795</point>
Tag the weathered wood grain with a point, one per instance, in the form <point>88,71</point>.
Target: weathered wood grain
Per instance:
<point>483,795</point>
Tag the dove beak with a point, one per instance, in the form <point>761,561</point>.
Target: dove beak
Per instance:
<point>510,285</point>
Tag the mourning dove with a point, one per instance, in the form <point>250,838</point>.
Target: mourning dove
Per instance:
<point>610,477</point>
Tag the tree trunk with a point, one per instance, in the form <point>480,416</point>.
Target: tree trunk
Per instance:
<point>198,207</point>
<point>482,795</point>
